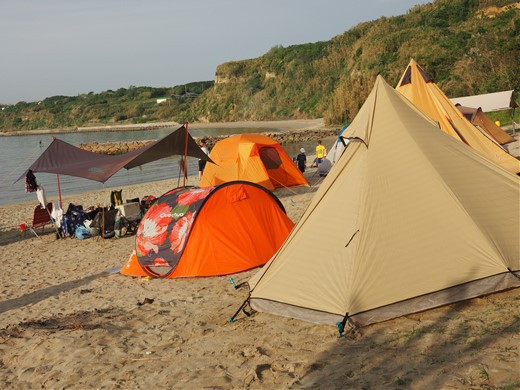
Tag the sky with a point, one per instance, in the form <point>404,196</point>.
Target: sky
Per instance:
<point>71,47</point>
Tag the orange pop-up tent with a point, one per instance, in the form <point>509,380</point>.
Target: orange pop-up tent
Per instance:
<point>192,231</point>
<point>251,157</point>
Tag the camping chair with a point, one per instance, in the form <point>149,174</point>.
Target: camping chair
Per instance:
<point>116,198</point>
<point>137,200</point>
<point>41,217</point>
<point>105,221</point>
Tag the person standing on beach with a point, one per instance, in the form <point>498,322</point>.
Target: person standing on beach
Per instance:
<point>202,163</point>
<point>321,153</point>
<point>301,160</point>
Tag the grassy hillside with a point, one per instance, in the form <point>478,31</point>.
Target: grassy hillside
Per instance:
<point>124,106</point>
<point>467,46</point>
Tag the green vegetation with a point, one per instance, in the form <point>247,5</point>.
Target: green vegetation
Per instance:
<point>123,106</point>
<point>467,46</point>
<point>505,117</point>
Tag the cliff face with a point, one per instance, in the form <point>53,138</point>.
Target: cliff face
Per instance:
<point>226,78</point>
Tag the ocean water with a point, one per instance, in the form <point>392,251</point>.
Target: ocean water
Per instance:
<point>17,153</point>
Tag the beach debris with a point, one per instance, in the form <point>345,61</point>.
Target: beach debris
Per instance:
<point>23,228</point>
<point>145,301</point>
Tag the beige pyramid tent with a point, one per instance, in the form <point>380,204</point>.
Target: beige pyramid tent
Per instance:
<point>408,219</point>
<point>427,96</point>
<point>480,120</point>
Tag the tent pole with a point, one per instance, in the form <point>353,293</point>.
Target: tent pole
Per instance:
<point>59,190</point>
<point>58,180</point>
<point>185,155</point>
<point>103,223</point>
<point>103,215</point>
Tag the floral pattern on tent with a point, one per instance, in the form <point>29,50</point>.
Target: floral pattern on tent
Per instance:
<point>164,230</point>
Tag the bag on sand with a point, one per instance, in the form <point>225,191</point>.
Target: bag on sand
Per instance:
<point>82,232</point>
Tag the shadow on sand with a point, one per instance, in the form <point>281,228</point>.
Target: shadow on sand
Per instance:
<point>446,347</point>
<point>15,235</point>
<point>48,292</point>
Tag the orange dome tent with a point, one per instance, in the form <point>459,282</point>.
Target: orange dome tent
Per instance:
<point>192,231</point>
<point>251,157</point>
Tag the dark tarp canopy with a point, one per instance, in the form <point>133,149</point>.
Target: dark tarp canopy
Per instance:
<point>66,159</point>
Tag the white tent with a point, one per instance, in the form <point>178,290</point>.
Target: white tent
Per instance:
<point>488,102</point>
<point>336,150</point>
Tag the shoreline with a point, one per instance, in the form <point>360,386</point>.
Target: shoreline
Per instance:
<point>290,136</point>
<point>289,124</point>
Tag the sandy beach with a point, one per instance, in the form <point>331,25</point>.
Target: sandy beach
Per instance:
<point>68,321</point>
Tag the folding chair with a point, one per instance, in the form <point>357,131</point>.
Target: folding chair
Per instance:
<point>116,197</point>
<point>41,217</point>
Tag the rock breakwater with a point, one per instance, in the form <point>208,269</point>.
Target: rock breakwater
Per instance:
<point>292,136</point>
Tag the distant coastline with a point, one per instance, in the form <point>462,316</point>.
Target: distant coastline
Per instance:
<point>282,125</point>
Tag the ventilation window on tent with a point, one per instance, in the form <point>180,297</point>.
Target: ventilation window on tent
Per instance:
<point>426,78</point>
<point>407,78</point>
<point>270,158</point>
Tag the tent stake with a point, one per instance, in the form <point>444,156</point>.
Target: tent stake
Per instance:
<point>232,319</point>
<point>237,286</point>
<point>341,325</point>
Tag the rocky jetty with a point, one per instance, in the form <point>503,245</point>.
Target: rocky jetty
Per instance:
<point>285,137</point>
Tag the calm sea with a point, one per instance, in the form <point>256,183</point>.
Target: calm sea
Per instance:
<point>17,153</point>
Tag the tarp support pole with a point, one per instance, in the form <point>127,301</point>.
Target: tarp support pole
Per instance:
<point>185,155</point>
<point>59,187</point>
<point>103,223</point>
<point>59,190</point>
